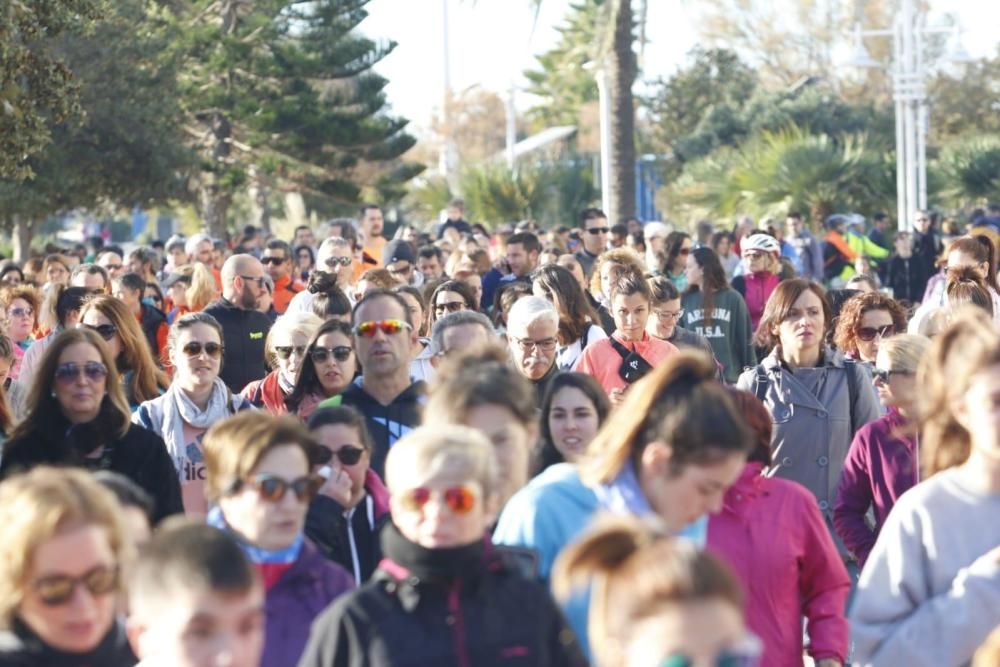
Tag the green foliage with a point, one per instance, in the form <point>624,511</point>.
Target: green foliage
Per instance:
<point>971,171</point>
<point>287,87</point>
<point>549,193</point>
<point>560,79</point>
<point>789,169</point>
<point>966,102</point>
<point>36,87</point>
<point>124,149</point>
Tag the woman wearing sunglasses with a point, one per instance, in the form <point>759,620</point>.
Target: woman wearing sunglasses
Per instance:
<point>111,319</point>
<point>661,602</point>
<point>78,416</point>
<point>21,305</point>
<point>196,399</point>
<point>442,595</point>
<point>883,461</point>
<point>63,304</point>
<point>449,297</point>
<point>286,350</point>
<point>327,369</point>
<point>260,483</point>
<point>63,547</point>
<point>347,514</point>
<point>816,399</point>
<point>866,320</point>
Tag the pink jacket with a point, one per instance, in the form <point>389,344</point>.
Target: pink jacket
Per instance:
<point>601,360</point>
<point>772,534</point>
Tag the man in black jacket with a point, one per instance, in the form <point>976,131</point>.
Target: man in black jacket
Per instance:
<point>244,328</point>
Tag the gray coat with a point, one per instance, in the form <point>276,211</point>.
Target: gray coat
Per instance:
<point>813,421</point>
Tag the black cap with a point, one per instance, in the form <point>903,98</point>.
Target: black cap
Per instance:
<point>398,251</point>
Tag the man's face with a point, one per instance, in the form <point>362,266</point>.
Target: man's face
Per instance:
<point>249,285</point>
<point>337,260</point>
<point>922,222</point>
<point>521,262</point>
<point>203,253</point>
<point>129,297</point>
<point>276,262</point>
<point>454,213</point>
<point>794,226</point>
<point>533,348</point>
<point>204,630</point>
<point>373,222</point>
<point>401,271</point>
<point>618,240</point>
<point>305,237</point>
<point>178,257</point>
<point>111,263</point>
<point>135,265</point>
<point>595,235</point>
<point>383,354</point>
<point>430,267</point>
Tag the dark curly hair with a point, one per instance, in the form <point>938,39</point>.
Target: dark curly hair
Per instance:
<point>846,335</point>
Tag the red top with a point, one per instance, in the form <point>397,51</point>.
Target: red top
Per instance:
<point>601,360</point>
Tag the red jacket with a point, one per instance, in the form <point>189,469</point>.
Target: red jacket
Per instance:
<point>773,536</point>
<point>266,394</point>
<point>284,289</point>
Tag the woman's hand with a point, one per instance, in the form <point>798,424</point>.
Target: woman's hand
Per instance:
<point>617,396</point>
<point>338,487</point>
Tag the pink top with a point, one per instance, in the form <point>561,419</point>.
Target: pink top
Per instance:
<point>601,360</point>
<point>773,536</point>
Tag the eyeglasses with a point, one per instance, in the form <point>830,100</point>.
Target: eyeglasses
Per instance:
<point>598,230</point>
<point>347,455</point>
<point>320,354</point>
<point>58,589</point>
<point>194,348</point>
<point>254,279</point>
<point>388,327</point>
<point>334,261</point>
<point>283,352</point>
<point>105,331</point>
<point>868,334</point>
<point>459,499</point>
<point>273,488</point>
<point>546,344</point>
<point>92,370</point>
<point>883,375</point>
<point>667,315</point>
<point>272,260</point>
<point>21,312</point>
<point>449,306</point>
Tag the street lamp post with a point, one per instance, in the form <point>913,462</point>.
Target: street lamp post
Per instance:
<point>910,95</point>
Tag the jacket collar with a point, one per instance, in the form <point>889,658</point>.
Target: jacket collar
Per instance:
<point>831,357</point>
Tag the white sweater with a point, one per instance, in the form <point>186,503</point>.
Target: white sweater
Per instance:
<point>930,592</point>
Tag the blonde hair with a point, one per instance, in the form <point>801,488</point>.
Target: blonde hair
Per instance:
<point>41,504</point>
<point>636,570</point>
<point>905,351</point>
<point>235,446</point>
<point>988,654</point>
<point>679,403</point>
<point>626,257</point>
<point>147,378</point>
<point>430,450</point>
<point>968,346</point>
<point>303,323</point>
<point>202,290</point>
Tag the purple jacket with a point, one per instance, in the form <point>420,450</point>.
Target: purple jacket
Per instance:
<point>298,597</point>
<point>881,464</point>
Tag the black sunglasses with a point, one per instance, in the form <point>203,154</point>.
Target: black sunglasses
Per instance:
<point>347,455</point>
<point>285,351</point>
<point>883,375</point>
<point>598,230</point>
<point>105,331</point>
<point>868,334</point>
<point>340,353</point>
<point>272,260</point>
<point>334,261</point>
<point>254,279</point>
<point>58,589</point>
<point>194,348</point>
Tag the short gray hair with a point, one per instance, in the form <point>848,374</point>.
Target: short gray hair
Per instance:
<point>530,309</point>
<point>191,245</point>
<point>454,320</point>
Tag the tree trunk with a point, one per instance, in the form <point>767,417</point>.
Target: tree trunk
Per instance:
<point>215,197</point>
<point>24,231</point>
<point>622,73</point>
<point>259,191</point>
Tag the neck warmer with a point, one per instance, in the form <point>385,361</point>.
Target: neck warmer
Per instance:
<point>432,564</point>
<point>180,409</point>
<point>257,555</point>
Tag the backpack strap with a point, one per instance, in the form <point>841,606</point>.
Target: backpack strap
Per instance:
<point>760,382</point>
<point>619,348</point>
<point>850,368</point>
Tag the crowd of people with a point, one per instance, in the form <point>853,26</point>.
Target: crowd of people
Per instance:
<point>620,445</point>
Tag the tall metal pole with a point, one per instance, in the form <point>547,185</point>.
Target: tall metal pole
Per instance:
<point>604,102</point>
<point>902,221</point>
<point>511,127</point>
<point>446,164</point>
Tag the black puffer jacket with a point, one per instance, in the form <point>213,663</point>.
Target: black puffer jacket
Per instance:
<point>243,334</point>
<point>468,608</point>
<point>19,647</point>
<point>140,455</point>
